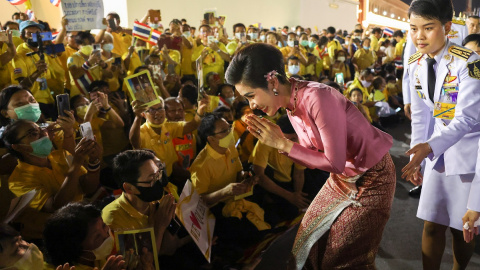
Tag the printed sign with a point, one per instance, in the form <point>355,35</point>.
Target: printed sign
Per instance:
<point>83,14</point>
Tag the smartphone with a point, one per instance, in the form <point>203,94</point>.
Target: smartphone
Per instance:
<point>63,103</point>
<point>174,226</point>
<point>295,43</point>
<point>97,47</point>
<point>3,37</point>
<point>86,130</point>
<point>211,39</point>
<point>206,16</point>
<point>339,78</point>
<point>112,24</point>
<point>55,48</point>
<point>118,61</point>
<point>45,36</point>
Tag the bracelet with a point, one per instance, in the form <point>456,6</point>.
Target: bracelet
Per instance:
<point>85,65</point>
<point>199,114</point>
<point>93,167</point>
<point>105,110</point>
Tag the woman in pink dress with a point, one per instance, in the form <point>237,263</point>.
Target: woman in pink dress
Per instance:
<point>343,225</point>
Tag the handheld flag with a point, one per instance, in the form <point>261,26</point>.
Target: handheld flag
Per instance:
<point>55,2</point>
<point>16,2</point>
<point>388,32</point>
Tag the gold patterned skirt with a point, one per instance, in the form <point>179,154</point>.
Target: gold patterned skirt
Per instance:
<point>342,230</point>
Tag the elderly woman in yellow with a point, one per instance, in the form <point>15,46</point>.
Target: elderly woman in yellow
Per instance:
<point>157,134</point>
<point>56,176</point>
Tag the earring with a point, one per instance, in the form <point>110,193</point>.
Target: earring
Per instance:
<point>275,92</point>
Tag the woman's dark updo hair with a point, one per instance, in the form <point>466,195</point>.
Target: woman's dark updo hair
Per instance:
<point>5,96</point>
<point>65,230</point>
<point>250,65</point>
<point>9,137</point>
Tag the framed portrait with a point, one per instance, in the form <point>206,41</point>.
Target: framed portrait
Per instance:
<point>138,249</point>
<point>141,87</point>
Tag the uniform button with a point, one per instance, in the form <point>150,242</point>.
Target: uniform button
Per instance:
<point>444,124</point>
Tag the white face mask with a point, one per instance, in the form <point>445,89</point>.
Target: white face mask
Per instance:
<point>382,48</point>
<point>253,35</point>
<point>365,83</point>
<point>187,34</point>
<point>104,249</point>
<point>341,58</point>
<point>230,100</point>
<point>31,260</point>
<point>239,35</point>
<point>346,42</point>
<point>290,43</point>
<point>262,38</point>
<point>293,69</point>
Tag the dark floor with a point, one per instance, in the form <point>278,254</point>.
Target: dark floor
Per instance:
<point>401,244</point>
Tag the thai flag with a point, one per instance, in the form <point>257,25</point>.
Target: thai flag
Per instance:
<point>16,2</point>
<point>141,31</point>
<point>154,36</point>
<point>388,32</point>
<point>55,2</point>
<point>30,14</point>
<point>84,82</point>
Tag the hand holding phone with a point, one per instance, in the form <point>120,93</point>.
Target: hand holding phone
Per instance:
<point>86,130</point>
<point>63,103</point>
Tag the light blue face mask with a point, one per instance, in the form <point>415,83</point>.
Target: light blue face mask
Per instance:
<point>30,112</point>
<point>253,35</point>
<point>366,48</point>
<point>108,47</point>
<point>312,44</point>
<point>153,25</point>
<point>294,69</point>
<point>42,147</point>
<point>304,43</point>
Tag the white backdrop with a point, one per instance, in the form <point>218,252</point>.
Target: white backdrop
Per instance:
<point>276,13</point>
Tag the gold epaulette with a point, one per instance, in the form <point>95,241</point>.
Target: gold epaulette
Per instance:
<point>461,22</point>
<point>414,57</point>
<point>460,52</point>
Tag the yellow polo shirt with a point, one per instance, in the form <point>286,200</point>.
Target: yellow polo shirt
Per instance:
<point>113,83</point>
<point>212,62</point>
<point>364,59</point>
<point>135,62</point>
<point>121,42</point>
<point>77,60</point>
<point>69,51</point>
<point>332,48</point>
<point>212,171</point>
<point>374,43</point>
<point>5,71</point>
<point>120,215</point>
<point>56,83</point>
<point>162,143</point>
<point>399,48</point>
<point>264,155</point>
<point>186,66</point>
<point>24,66</point>
<point>232,46</point>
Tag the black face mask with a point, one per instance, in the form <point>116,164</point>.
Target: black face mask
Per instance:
<point>154,193</point>
<point>31,43</point>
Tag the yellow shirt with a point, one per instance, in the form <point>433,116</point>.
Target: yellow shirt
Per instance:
<point>286,51</point>
<point>187,58</point>
<point>24,66</point>
<point>120,215</point>
<point>162,143</point>
<point>364,59</point>
<point>213,62</point>
<point>399,48</point>
<point>320,65</point>
<point>5,71</point>
<point>248,143</point>
<point>46,182</point>
<point>232,46</point>
<point>121,42</point>
<point>332,48</point>
<point>340,68</point>
<point>374,43</point>
<point>212,171</point>
<point>69,51</point>
<point>357,84</point>
<point>56,83</point>
<point>135,62</point>
<point>113,83</point>
<point>190,114</point>
<point>77,60</point>
<point>264,155</point>
<point>176,57</point>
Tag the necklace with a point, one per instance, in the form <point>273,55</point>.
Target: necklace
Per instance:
<point>292,112</point>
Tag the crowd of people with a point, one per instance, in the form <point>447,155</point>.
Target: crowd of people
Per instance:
<point>241,131</point>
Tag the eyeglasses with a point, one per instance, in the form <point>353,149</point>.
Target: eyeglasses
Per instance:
<point>153,110</point>
<point>157,177</point>
<point>33,133</point>
<point>225,131</point>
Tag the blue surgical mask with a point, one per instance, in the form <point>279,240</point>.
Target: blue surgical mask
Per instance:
<point>30,112</point>
<point>187,34</point>
<point>153,25</point>
<point>304,43</point>
<point>366,48</point>
<point>108,47</point>
<point>293,69</point>
<point>42,147</point>
<point>312,44</point>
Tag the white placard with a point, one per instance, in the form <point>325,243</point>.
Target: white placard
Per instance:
<point>83,14</point>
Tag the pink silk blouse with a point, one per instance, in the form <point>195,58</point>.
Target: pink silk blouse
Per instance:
<point>333,134</point>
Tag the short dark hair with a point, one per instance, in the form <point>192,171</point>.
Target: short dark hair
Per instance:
<point>140,68</point>
<point>65,230</point>
<point>376,30</point>
<point>81,36</point>
<point>7,233</point>
<point>391,78</point>
<point>207,126</point>
<point>366,72</point>
<point>293,57</point>
<point>186,78</point>
<point>205,25</point>
<point>331,30</point>
<point>239,108</point>
<point>9,137</point>
<point>190,92</point>
<point>148,58</point>
<point>8,23</point>
<point>5,96</point>
<point>315,36</point>
<point>239,25</point>
<point>285,125</point>
<point>74,100</point>
<point>221,86</point>
<point>377,82</point>
<point>398,33</point>
<point>355,89</point>
<point>126,165</point>
<point>16,14</point>
<point>365,39</point>
<point>96,85</point>
<point>165,101</point>
<point>252,63</point>
<point>322,41</point>
<point>334,85</point>
<point>441,10</point>
<point>472,38</point>
<point>114,15</point>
